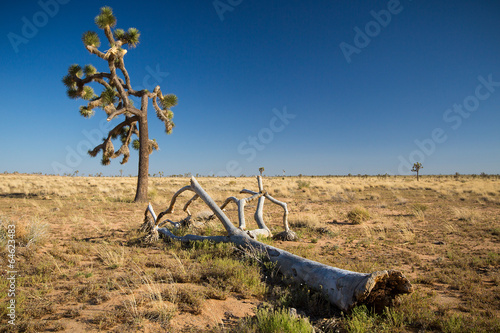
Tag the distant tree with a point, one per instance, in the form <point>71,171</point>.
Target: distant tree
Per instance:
<point>416,168</point>
<point>261,170</point>
<point>115,98</point>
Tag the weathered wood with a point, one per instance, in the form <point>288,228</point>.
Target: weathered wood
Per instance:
<point>343,288</point>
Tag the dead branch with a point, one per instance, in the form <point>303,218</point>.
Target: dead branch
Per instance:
<point>343,288</point>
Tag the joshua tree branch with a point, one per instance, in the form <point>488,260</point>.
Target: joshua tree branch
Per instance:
<point>109,35</point>
<point>121,66</point>
<point>116,80</point>
<point>116,113</point>
<point>107,146</point>
<point>94,50</point>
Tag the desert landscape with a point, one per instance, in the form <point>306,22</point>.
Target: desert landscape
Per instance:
<point>82,264</point>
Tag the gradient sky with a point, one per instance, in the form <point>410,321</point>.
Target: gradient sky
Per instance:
<point>319,87</point>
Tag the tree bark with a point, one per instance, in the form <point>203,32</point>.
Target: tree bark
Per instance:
<point>343,288</point>
<point>141,194</point>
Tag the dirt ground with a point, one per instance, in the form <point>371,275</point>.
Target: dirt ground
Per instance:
<point>82,265</point>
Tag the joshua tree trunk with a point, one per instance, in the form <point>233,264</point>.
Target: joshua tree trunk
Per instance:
<point>141,194</point>
<point>343,288</point>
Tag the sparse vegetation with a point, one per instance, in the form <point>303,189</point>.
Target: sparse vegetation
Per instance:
<point>79,252</point>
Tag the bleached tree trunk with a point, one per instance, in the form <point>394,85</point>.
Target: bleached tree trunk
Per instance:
<point>342,288</point>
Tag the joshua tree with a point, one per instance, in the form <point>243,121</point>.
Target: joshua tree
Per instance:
<point>116,97</point>
<point>261,170</point>
<point>416,168</point>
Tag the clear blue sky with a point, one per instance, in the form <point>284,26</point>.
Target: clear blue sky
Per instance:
<point>319,87</point>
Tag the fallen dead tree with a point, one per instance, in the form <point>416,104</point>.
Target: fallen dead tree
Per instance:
<point>343,288</point>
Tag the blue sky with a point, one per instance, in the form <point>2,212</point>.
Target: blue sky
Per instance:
<point>321,87</point>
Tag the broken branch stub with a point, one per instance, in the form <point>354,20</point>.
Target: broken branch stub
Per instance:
<point>343,288</point>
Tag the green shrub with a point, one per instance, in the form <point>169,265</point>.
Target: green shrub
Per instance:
<point>302,184</point>
<point>275,321</point>
<point>360,321</point>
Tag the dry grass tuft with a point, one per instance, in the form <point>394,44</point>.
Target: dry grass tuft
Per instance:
<point>358,215</point>
<point>464,214</point>
<point>34,232</point>
<point>110,256</point>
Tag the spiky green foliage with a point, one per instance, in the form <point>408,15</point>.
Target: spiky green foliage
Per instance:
<point>69,81</point>
<point>105,18</point>
<point>88,93</point>
<point>416,167</point>
<point>132,37</point>
<point>72,93</point>
<point>119,34</point>
<point>89,70</point>
<point>90,38</point>
<point>75,70</point>
<point>108,96</point>
<point>136,144</point>
<point>86,112</point>
<point>169,101</point>
<point>123,134</point>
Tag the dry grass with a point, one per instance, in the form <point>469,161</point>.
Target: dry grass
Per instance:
<point>82,261</point>
<point>358,215</point>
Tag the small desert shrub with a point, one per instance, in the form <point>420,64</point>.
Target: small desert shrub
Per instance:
<point>234,276</point>
<point>302,184</point>
<point>453,323</point>
<point>358,215</point>
<point>104,321</point>
<point>161,312</point>
<point>360,321</point>
<point>275,321</point>
<point>191,300</point>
